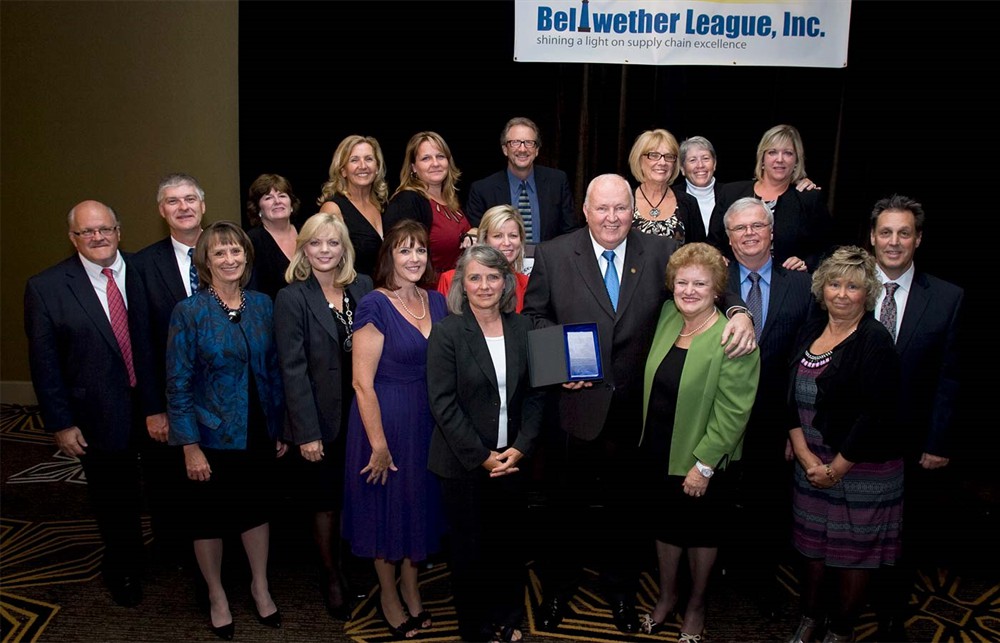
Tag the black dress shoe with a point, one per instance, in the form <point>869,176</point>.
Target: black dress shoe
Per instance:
<point>551,613</point>
<point>225,632</point>
<point>625,617</point>
<point>125,590</point>
<point>891,630</point>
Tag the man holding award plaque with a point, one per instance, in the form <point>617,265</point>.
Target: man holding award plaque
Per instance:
<point>609,278</point>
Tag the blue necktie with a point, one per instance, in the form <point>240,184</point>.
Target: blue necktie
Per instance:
<point>755,304</point>
<point>524,208</point>
<point>611,278</point>
<point>192,272</point>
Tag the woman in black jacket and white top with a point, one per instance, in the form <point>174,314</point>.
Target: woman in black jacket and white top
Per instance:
<point>488,418</point>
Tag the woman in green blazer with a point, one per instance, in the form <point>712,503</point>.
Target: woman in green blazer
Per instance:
<point>696,405</point>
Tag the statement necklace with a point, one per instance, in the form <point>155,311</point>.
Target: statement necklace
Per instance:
<point>234,314</point>
<point>423,306</point>
<point>655,212</point>
<point>346,319</point>
<point>710,316</point>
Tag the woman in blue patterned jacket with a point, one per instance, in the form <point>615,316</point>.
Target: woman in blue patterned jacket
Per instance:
<point>226,409</point>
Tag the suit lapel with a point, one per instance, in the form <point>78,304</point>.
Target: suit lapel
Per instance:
<point>776,299</point>
<point>166,265</point>
<point>82,290</point>
<point>590,274</point>
<point>632,268</point>
<point>916,303</point>
<point>320,308</point>
<point>476,342</point>
<point>511,343</point>
<point>502,194</point>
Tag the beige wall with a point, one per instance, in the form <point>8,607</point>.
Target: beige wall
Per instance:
<point>99,100</point>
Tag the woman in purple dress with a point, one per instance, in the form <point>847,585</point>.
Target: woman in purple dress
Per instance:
<point>392,508</point>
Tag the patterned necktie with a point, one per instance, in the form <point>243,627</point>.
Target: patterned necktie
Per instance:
<point>887,315</point>
<point>119,323</point>
<point>524,208</point>
<point>192,272</point>
<point>611,278</point>
<point>755,304</point>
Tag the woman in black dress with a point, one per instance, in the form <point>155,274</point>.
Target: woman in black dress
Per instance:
<point>357,193</point>
<point>271,204</point>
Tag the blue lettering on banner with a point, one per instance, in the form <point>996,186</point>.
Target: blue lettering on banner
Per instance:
<point>731,26</point>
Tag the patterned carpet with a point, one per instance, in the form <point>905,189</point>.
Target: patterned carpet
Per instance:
<point>50,587</point>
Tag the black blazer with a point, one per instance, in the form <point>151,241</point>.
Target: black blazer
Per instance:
<point>803,226</point>
<point>790,304</point>
<point>927,347</point>
<point>164,288</point>
<point>308,343</point>
<point>856,394</point>
<point>698,231</point>
<point>77,369</point>
<point>465,399</point>
<point>555,200</point>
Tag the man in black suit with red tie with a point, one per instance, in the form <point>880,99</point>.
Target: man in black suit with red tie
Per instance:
<point>612,275</point>
<point>88,349</point>
<point>922,314</point>
<point>546,205</point>
<point>780,301</point>
<point>170,276</point>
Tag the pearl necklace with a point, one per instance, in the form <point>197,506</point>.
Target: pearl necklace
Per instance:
<point>423,305</point>
<point>710,316</point>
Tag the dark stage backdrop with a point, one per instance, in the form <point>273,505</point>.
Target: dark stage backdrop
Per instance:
<point>907,115</point>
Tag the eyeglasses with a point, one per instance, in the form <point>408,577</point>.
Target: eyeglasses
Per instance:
<point>515,143</point>
<point>90,233</point>
<point>743,228</point>
<point>656,156</point>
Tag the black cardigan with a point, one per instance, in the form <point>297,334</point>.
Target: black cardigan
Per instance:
<point>858,393</point>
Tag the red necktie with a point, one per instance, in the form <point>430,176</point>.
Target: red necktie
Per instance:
<point>119,323</point>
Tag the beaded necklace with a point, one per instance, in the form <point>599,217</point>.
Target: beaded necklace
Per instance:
<point>234,314</point>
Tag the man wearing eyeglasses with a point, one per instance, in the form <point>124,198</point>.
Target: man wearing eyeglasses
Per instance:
<point>169,274</point>
<point>89,354</point>
<point>780,301</point>
<point>541,194</point>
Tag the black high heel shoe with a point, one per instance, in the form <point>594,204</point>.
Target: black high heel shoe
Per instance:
<point>224,632</point>
<point>271,620</point>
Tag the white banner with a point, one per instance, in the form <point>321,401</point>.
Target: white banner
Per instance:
<point>786,33</point>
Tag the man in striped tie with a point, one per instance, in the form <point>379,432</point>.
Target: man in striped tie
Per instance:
<point>922,314</point>
<point>540,194</point>
<point>88,349</point>
<point>169,275</point>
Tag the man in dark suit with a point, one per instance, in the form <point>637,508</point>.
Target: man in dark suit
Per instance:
<point>169,275</point>
<point>763,473</point>
<point>921,312</point>
<point>88,349</point>
<point>590,463</point>
<point>546,190</point>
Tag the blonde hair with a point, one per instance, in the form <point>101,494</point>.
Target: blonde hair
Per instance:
<point>649,141</point>
<point>491,222</point>
<point>782,134</point>
<point>299,268</point>
<point>337,183</point>
<point>408,178</point>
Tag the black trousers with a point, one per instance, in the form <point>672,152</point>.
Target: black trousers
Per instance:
<point>115,489</point>
<point>593,515</point>
<point>487,529</point>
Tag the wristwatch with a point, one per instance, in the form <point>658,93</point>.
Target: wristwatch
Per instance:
<point>704,470</point>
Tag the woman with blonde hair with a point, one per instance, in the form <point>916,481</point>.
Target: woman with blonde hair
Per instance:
<point>427,194</point>
<point>357,193</point>
<point>313,323</point>
<point>501,228</point>
<point>659,208</point>
<point>802,224</point>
